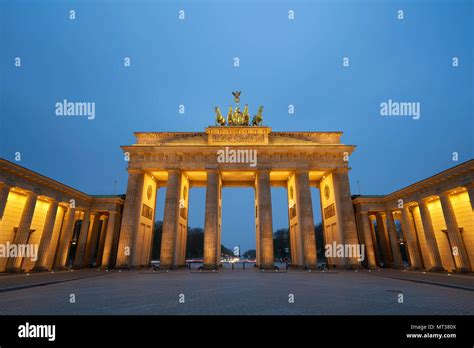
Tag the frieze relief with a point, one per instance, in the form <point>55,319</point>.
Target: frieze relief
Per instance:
<point>211,158</point>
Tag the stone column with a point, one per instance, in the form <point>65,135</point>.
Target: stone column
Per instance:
<point>82,240</point>
<point>131,218</point>
<point>103,232</point>
<point>211,225</point>
<point>115,241</point>
<point>470,192</point>
<point>435,258</point>
<point>265,224</point>
<point>170,219</point>
<point>257,230</point>
<point>393,236</point>
<point>306,219</point>
<point>386,255</point>
<point>23,232</point>
<point>180,244</point>
<point>92,240</point>
<point>65,238</point>
<point>369,245</point>
<point>4,191</point>
<point>45,241</point>
<point>412,240</point>
<point>378,260</point>
<point>455,238</point>
<point>347,219</point>
<point>109,237</point>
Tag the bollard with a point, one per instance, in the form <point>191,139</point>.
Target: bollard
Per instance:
<point>232,265</point>
<point>243,264</point>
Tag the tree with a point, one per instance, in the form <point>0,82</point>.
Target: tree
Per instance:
<point>226,252</point>
<point>281,243</point>
<point>195,243</point>
<point>156,246</point>
<point>250,254</point>
<point>319,235</point>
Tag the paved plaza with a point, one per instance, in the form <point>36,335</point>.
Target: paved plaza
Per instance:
<point>238,291</point>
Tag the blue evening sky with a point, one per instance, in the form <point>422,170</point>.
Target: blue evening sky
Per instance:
<point>282,62</point>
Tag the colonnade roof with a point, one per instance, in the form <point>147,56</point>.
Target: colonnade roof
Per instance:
<point>458,176</point>
<point>15,175</point>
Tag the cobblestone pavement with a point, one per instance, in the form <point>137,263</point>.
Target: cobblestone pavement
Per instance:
<point>9,282</point>
<point>240,292</point>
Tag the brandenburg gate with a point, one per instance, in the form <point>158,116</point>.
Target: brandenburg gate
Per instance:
<point>427,225</point>
<point>220,157</point>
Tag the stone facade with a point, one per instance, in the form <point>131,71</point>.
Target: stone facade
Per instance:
<point>69,227</point>
<point>295,160</point>
<point>430,222</point>
<point>431,219</point>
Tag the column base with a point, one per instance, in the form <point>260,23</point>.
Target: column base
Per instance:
<point>167,267</point>
<point>461,270</point>
<point>40,269</point>
<point>62,268</point>
<point>14,270</point>
<point>209,267</point>
<point>398,267</point>
<point>267,267</point>
<point>415,268</point>
<point>293,266</point>
<point>437,269</point>
<point>179,266</point>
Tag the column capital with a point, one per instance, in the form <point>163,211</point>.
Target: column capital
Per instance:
<point>342,170</point>
<point>32,194</point>
<point>6,185</point>
<point>64,204</point>
<point>423,200</point>
<point>444,194</point>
